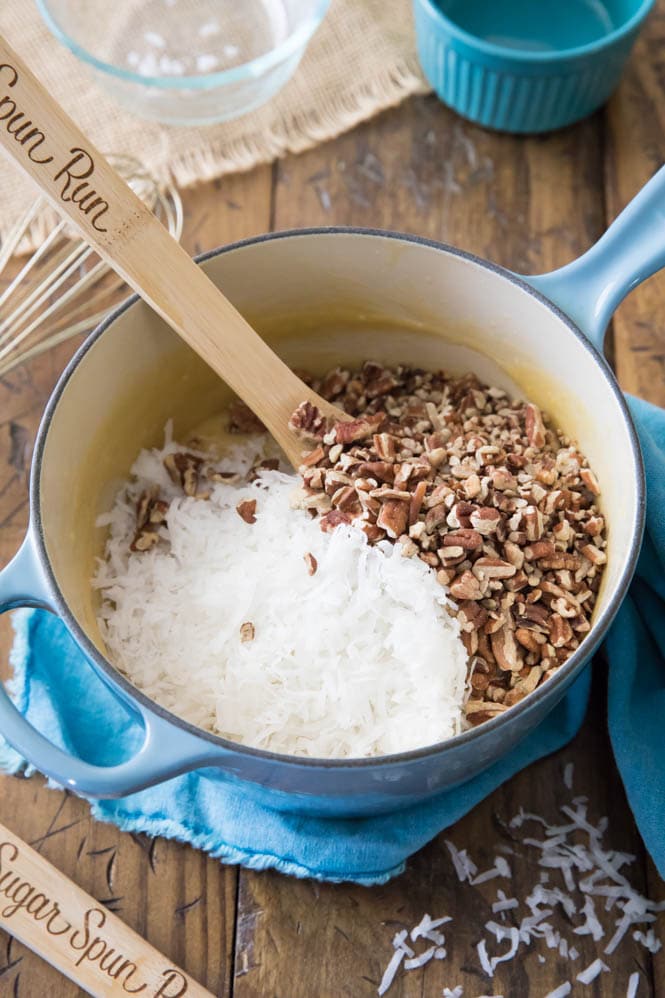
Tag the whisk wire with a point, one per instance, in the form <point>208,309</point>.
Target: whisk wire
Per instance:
<point>50,300</point>
<point>64,266</point>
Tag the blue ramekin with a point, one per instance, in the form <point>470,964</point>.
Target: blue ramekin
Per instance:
<point>519,90</point>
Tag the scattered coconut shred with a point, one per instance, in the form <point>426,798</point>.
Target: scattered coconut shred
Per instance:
<point>576,882</point>
<point>249,621</point>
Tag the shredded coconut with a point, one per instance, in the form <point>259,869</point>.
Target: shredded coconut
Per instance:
<point>390,971</point>
<point>648,940</point>
<point>633,984</point>
<point>427,928</point>
<point>593,971</point>
<point>501,868</point>
<point>421,959</point>
<point>589,872</point>
<point>561,991</point>
<point>503,903</point>
<point>464,867</point>
<point>331,670</point>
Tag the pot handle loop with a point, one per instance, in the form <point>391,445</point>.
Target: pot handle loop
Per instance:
<point>166,751</point>
<point>590,288</point>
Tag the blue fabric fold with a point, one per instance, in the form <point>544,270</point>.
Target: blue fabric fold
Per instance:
<point>635,648</point>
<point>52,679</point>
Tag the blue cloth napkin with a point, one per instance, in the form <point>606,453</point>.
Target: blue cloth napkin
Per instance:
<point>51,680</point>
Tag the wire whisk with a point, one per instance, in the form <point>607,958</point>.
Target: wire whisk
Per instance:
<point>64,288</point>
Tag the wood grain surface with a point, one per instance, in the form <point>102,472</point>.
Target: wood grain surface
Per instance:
<point>530,204</point>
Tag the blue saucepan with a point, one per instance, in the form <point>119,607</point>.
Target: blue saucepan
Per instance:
<point>323,297</point>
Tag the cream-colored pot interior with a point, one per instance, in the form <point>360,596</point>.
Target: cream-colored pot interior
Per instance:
<point>321,299</point>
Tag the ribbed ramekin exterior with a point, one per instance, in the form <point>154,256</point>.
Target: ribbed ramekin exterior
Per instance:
<point>512,95</point>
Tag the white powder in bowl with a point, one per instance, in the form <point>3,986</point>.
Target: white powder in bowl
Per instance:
<point>361,658</point>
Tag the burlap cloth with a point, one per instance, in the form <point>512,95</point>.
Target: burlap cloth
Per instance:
<point>361,60</point>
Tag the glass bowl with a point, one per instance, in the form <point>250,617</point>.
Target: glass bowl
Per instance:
<point>187,62</point>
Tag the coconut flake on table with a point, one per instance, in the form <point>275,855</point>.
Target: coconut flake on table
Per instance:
<point>560,992</point>
<point>575,852</point>
<point>361,658</point>
<point>633,984</point>
<point>593,971</point>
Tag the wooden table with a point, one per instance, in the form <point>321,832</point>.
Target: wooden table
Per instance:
<point>530,204</point>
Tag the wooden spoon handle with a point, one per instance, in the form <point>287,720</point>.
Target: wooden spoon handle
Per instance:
<point>70,930</point>
<point>37,134</point>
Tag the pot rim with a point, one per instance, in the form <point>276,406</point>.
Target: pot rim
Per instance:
<point>135,698</point>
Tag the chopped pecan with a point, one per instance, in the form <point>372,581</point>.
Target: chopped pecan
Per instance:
<point>185,470</point>
<point>531,640</point>
<point>560,631</point>
<point>436,517</point>
<point>594,554</point>
<point>472,487</point>
<point>243,420</point>
<point>386,492</point>
<point>594,526</point>
<point>247,632</point>
<point>353,430</point>
<point>564,607</point>
<point>476,707</point>
<point>246,509</point>
<point>471,615</point>
<point>479,681</point>
<point>505,650</point>
<point>222,477</point>
<point>346,499</point>
<point>384,471</point>
<point>518,582</point>
<point>540,549</point>
<point>393,517</point>
<point>590,480</point>
<point>534,425</point>
<point>532,519</point>
<point>514,554</point>
<point>560,560</point>
<point>408,548</point>
<point>382,384</point>
<point>373,533</point>
<point>385,446</point>
<point>485,520</point>
<point>308,422</point>
<point>493,568</point>
<point>312,457</point>
<point>502,480</point>
<point>451,554</point>
<point>267,464</point>
<point>144,540</point>
<point>311,562</point>
<point>460,516</point>
<point>334,384</point>
<point>534,615</point>
<point>416,502</point>
<point>467,586</point>
<point>333,519</point>
<point>524,686</point>
<point>465,538</point>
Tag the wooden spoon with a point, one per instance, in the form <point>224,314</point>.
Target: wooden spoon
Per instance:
<point>37,134</point>
<point>75,933</point>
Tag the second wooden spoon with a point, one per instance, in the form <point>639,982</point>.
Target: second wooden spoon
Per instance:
<point>37,134</point>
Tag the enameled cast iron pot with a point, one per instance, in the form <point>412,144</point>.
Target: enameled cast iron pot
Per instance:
<point>324,297</point>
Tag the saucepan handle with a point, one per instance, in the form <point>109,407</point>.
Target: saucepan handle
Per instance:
<point>633,248</point>
<point>166,751</point>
